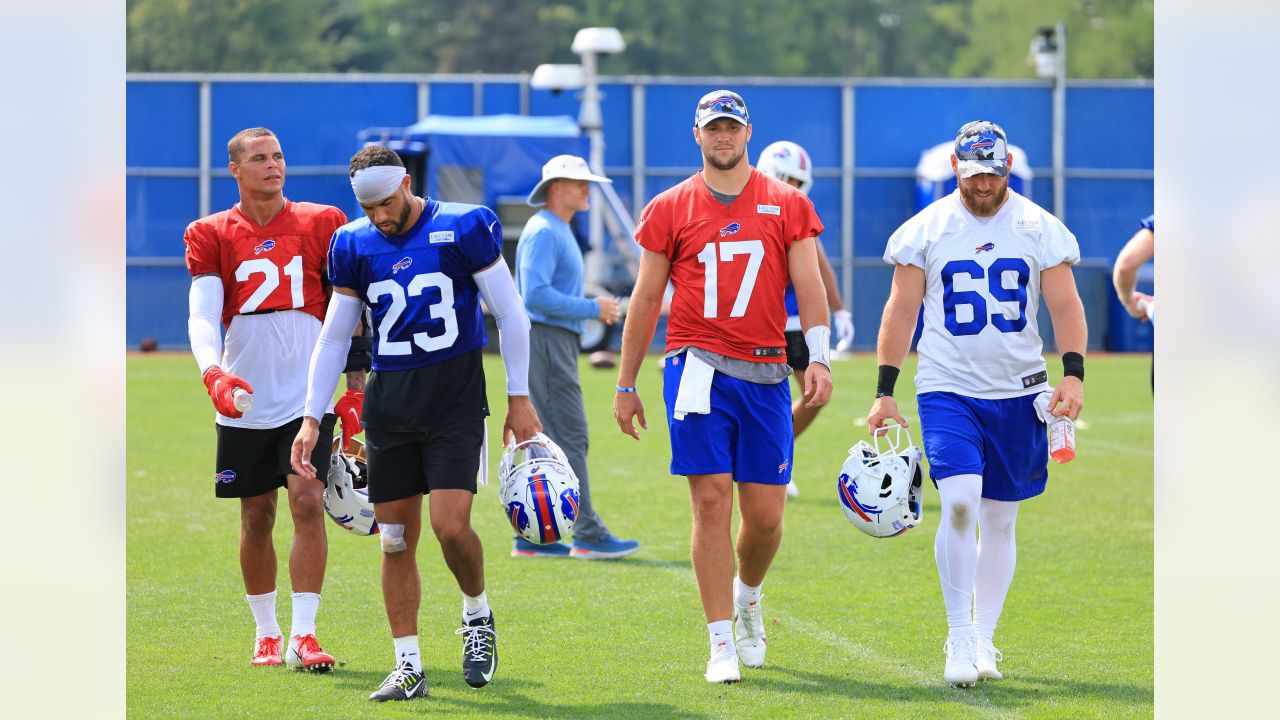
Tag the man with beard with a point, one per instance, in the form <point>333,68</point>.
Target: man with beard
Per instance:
<point>729,239</point>
<point>979,260</point>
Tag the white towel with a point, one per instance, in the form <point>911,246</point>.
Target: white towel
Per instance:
<point>694,395</point>
<point>1042,406</point>
<point>482,475</point>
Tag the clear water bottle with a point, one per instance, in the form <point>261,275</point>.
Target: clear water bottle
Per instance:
<point>1062,439</point>
<point>242,399</point>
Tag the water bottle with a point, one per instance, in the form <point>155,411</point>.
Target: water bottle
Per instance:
<point>1062,439</point>
<point>242,400</point>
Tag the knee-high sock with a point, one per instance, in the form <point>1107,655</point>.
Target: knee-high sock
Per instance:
<point>997,557</point>
<point>956,549</point>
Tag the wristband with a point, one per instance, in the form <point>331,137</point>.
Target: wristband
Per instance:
<point>360,355</point>
<point>887,378</point>
<point>1073,365</point>
<point>619,388</point>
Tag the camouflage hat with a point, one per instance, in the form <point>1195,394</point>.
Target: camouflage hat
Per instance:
<point>718,104</point>
<point>981,147</point>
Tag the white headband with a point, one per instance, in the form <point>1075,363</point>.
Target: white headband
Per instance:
<point>376,183</point>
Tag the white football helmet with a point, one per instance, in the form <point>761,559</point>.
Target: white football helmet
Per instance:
<point>538,490</point>
<point>881,489</point>
<point>346,494</point>
<point>785,159</point>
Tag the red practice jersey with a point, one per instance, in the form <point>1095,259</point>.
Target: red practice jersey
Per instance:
<point>728,263</point>
<point>277,266</point>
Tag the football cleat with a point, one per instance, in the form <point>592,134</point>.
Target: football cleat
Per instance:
<point>305,654</point>
<point>748,633</point>
<point>723,665</point>
<point>524,548</point>
<point>479,650</point>
<point>988,656</point>
<point>267,651</point>
<point>608,548</point>
<point>961,669</point>
<point>403,683</point>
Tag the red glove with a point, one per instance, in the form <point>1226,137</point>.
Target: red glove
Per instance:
<point>222,387</point>
<point>348,410</point>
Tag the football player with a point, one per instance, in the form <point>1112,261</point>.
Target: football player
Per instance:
<point>258,269</point>
<point>729,239</point>
<point>422,266</point>
<point>979,260</point>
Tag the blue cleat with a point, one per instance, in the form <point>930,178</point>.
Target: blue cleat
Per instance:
<point>607,548</point>
<point>524,548</point>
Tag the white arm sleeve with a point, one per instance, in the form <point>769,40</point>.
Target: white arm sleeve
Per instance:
<point>330,355</point>
<point>203,322</point>
<point>499,293</point>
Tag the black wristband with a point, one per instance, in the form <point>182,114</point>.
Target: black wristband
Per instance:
<point>1073,365</point>
<point>360,356</point>
<point>887,379</point>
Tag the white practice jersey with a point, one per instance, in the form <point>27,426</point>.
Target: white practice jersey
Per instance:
<point>271,352</point>
<point>982,292</point>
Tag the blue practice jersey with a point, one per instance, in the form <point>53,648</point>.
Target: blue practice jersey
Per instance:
<point>419,286</point>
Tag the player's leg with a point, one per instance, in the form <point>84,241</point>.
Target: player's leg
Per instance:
<point>711,498</point>
<point>997,558</point>
<point>309,552</point>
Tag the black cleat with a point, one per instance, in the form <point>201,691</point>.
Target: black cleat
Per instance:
<point>403,683</point>
<point>479,651</point>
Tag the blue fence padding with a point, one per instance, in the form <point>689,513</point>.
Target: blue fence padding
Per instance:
<point>1110,128</point>
<point>156,306</point>
<point>158,210</point>
<point>501,98</point>
<point>445,98</point>
<point>164,124</point>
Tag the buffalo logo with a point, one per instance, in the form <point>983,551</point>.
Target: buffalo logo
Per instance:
<point>569,504</point>
<point>225,476</point>
<point>979,144</point>
<point>984,248</point>
<point>730,229</point>
<point>402,265</point>
<point>264,246</point>
<point>518,517</point>
<point>849,498</point>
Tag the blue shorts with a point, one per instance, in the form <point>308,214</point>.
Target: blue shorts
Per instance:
<point>747,433</point>
<point>1004,441</point>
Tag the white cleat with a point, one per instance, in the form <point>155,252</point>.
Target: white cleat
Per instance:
<point>723,665</point>
<point>748,633</point>
<point>793,490</point>
<point>962,667</point>
<point>988,656</point>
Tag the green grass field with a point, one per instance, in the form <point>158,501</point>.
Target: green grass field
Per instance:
<point>855,625</point>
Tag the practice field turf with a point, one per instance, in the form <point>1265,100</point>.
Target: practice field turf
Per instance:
<point>855,625</point>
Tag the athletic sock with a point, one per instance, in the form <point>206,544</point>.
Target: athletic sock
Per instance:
<point>407,651</point>
<point>264,614</point>
<point>744,595</point>
<point>305,605</point>
<point>474,607</point>
<point>721,632</point>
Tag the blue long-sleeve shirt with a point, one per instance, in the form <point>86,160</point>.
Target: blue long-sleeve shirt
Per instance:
<point>549,274</point>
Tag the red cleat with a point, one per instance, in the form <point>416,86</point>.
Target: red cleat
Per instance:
<point>268,651</point>
<point>305,654</point>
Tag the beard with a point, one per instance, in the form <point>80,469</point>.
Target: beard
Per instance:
<point>731,164</point>
<point>403,220</point>
<point>984,207</point>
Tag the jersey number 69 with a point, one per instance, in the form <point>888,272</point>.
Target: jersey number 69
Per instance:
<point>952,298</point>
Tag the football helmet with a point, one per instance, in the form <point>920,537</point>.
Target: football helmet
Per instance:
<point>346,494</point>
<point>785,159</point>
<point>881,488</point>
<point>538,490</point>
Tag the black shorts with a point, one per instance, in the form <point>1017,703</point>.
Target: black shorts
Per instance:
<point>419,399</point>
<point>252,462</point>
<point>404,464</point>
<point>797,350</point>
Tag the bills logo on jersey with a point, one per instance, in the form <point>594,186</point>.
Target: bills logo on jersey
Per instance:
<point>225,476</point>
<point>264,246</point>
<point>402,265</point>
<point>984,248</point>
<point>730,229</point>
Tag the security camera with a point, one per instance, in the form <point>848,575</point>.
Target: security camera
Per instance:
<point>556,78</point>
<point>598,40</point>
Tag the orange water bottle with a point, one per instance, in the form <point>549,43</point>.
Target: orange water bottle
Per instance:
<point>1062,439</point>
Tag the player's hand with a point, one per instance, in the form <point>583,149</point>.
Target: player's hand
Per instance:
<point>627,407</point>
<point>1134,306</point>
<point>303,445</point>
<point>1067,398</point>
<point>348,409</point>
<point>884,408</point>
<point>609,312</point>
<point>522,420</point>
<point>222,387</point>
<point>817,385</point>
<point>842,321</point>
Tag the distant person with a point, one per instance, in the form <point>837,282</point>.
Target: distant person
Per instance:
<point>549,278</point>
<point>789,163</point>
<point>259,270</point>
<point>1139,251</point>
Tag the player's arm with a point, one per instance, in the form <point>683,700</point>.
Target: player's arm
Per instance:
<point>637,333</point>
<point>1058,285</point>
<point>500,296</point>
<point>1137,252</point>
<point>802,263</point>
<point>204,328</point>
<point>897,325</point>
<point>327,361</point>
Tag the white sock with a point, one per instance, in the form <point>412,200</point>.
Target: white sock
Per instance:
<point>997,557</point>
<point>721,632</point>
<point>744,595</point>
<point>305,606</point>
<point>264,614</point>
<point>407,651</point>
<point>474,607</point>
<point>955,549</point>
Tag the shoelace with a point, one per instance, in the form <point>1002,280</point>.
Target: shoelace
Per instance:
<point>751,617</point>
<point>402,677</point>
<point>953,646</point>
<point>474,643</point>
<point>991,650</point>
<point>269,648</point>
<point>308,644</point>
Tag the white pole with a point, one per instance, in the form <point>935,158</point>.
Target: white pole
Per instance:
<point>590,120</point>
<point>1059,123</point>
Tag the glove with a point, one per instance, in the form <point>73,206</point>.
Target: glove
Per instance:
<point>222,387</point>
<point>843,321</point>
<point>348,410</point>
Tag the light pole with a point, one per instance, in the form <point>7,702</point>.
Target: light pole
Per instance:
<point>1049,49</point>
